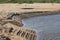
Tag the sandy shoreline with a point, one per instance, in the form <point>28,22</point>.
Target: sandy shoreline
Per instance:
<point>7,8</point>
<point>36,7</point>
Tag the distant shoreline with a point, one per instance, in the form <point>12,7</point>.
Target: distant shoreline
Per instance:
<point>11,7</point>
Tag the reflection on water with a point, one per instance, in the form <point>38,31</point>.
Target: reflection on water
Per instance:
<point>40,23</point>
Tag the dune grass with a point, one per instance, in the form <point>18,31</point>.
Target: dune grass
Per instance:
<point>29,1</point>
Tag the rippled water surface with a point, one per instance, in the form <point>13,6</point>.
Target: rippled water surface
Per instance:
<point>40,23</point>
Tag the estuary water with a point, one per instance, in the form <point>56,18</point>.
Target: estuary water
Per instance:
<point>49,23</point>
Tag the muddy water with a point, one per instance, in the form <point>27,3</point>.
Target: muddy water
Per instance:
<point>44,24</point>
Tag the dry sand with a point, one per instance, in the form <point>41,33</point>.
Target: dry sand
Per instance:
<point>36,7</point>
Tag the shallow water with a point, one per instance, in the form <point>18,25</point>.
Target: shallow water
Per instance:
<point>41,23</point>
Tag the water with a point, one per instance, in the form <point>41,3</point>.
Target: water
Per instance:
<point>43,23</point>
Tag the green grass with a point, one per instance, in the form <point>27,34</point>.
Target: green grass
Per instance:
<point>29,1</point>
